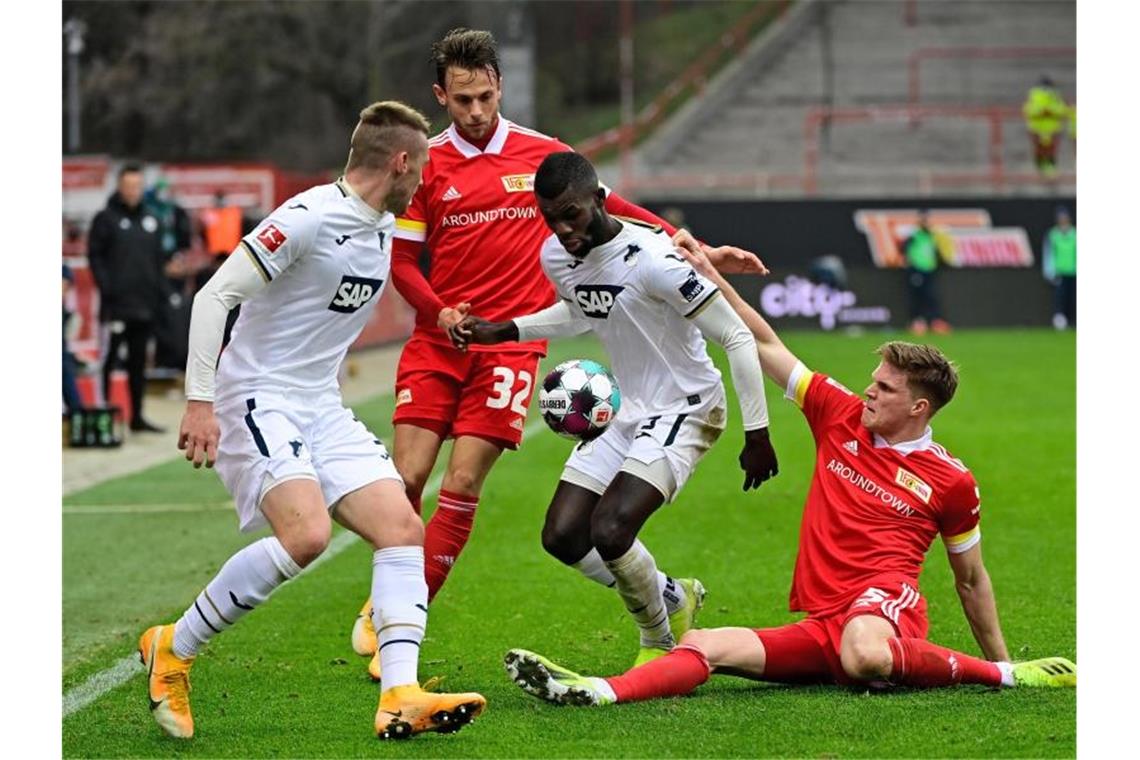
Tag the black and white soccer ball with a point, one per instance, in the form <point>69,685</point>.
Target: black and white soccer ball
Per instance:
<point>579,399</point>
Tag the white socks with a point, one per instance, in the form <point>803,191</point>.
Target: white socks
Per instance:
<point>399,612</point>
<point>594,567</point>
<point>635,574</point>
<point>1006,669</point>
<point>245,581</point>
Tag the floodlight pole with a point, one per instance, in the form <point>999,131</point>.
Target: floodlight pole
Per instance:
<point>74,29</point>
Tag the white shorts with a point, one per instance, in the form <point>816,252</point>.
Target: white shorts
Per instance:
<point>267,439</point>
<point>638,445</point>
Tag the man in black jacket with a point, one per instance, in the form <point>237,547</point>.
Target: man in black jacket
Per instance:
<point>125,250</point>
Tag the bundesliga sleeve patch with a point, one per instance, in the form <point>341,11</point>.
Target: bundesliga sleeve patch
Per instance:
<point>272,238</point>
<point>692,287</point>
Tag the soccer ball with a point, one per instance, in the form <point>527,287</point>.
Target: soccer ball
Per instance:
<point>579,399</point>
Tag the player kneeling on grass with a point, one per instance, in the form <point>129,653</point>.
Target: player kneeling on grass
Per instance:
<point>624,281</point>
<point>287,449</point>
<point>882,489</point>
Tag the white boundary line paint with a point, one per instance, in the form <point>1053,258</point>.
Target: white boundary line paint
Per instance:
<point>145,509</point>
<point>126,668</point>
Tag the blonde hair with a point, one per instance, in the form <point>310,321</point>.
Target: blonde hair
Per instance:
<point>929,374</point>
<point>383,129</point>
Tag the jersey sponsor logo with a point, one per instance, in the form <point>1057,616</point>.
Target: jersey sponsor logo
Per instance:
<point>404,396</point>
<point>914,484</point>
<point>596,301</point>
<point>486,216</point>
<point>865,484</point>
<point>353,293</point>
<point>853,447</point>
<point>272,238</point>
<point>518,183</point>
<point>692,287</point>
<point>451,195</point>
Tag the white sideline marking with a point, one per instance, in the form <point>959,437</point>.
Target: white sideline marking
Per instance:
<point>139,509</point>
<point>128,667</point>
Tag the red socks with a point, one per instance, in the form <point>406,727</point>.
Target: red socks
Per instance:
<point>671,675</point>
<point>446,535</point>
<point>917,662</point>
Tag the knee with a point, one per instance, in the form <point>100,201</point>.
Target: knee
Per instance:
<point>865,658</point>
<point>414,481</point>
<point>611,534</point>
<point>698,639</point>
<point>308,541</point>
<point>562,542</point>
<point>463,480</point>
<point>406,529</point>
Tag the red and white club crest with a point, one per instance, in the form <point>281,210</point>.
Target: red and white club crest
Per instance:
<point>271,237</point>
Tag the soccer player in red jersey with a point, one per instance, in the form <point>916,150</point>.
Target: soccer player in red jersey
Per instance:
<point>476,214</point>
<point>881,491</point>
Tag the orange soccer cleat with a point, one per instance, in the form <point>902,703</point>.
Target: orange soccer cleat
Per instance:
<point>168,681</point>
<point>363,633</point>
<point>408,710</point>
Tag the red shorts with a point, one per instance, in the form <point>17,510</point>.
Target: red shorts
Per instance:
<point>479,393</point>
<point>808,651</point>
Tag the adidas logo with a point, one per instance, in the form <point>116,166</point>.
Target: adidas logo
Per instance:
<point>517,424</point>
<point>852,446</point>
<point>451,194</point>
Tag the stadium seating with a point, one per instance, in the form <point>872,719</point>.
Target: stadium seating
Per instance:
<point>752,116</point>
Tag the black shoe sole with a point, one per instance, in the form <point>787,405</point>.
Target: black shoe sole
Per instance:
<point>444,722</point>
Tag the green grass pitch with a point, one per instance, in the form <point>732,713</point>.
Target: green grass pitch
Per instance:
<point>284,682</point>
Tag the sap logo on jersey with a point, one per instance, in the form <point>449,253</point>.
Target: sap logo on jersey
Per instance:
<point>597,300</point>
<point>353,293</point>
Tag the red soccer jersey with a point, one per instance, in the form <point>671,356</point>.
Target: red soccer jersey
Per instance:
<point>477,214</point>
<point>873,509</point>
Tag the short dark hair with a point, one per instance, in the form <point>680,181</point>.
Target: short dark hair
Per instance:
<point>468,49</point>
<point>560,171</point>
<point>130,168</point>
<point>929,374</point>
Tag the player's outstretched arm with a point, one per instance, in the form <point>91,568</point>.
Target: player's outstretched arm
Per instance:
<point>775,358</point>
<point>976,594</point>
<point>726,259</point>
<point>555,321</point>
<point>237,280</point>
<point>720,324</point>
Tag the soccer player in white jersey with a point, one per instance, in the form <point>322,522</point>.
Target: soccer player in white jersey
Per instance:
<point>623,280</point>
<point>286,448</point>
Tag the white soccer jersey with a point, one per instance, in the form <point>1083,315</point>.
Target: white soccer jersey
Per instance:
<point>635,293</point>
<point>327,255</point>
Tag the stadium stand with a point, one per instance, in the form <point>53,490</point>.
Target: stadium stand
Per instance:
<point>838,81</point>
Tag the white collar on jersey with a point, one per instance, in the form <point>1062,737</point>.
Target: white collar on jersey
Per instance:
<point>367,212</point>
<point>495,146</point>
<point>922,443</point>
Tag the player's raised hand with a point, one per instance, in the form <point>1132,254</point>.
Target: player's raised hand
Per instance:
<point>728,259</point>
<point>758,459</point>
<point>198,435</point>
